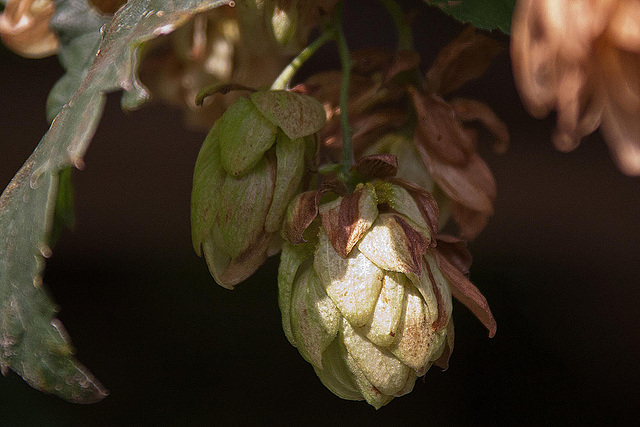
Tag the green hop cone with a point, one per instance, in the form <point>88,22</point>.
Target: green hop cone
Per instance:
<point>250,166</point>
<point>363,299</point>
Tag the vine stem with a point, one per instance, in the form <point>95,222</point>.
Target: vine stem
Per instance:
<point>283,80</point>
<point>405,34</point>
<point>345,61</point>
<point>333,32</point>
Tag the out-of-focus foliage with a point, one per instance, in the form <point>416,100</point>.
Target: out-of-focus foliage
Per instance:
<point>483,14</point>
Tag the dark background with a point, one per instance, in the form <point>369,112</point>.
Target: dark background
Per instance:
<point>558,263</point>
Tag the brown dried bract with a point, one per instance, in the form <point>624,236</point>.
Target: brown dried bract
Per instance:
<point>302,211</point>
<point>463,290</point>
<point>345,224</point>
<point>377,166</point>
<point>424,200</point>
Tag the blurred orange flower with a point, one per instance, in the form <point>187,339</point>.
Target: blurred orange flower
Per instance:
<point>582,58</point>
<point>24,28</point>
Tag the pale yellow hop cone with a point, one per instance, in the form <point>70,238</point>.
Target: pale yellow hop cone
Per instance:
<point>364,300</point>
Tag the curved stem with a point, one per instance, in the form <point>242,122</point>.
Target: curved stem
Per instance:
<point>405,35</point>
<point>283,80</point>
<point>345,61</point>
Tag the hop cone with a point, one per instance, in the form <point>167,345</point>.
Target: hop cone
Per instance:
<point>364,300</point>
<point>249,168</point>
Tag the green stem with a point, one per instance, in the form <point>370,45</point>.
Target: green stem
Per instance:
<point>345,61</point>
<point>283,80</point>
<point>405,35</point>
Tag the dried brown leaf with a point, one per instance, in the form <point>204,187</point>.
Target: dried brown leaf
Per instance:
<point>467,293</point>
<point>439,131</point>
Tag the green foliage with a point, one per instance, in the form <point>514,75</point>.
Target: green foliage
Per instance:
<point>33,343</point>
<point>483,14</point>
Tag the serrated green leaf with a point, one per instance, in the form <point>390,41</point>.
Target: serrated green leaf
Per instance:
<point>33,342</point>
<point>77,25</point>
<point>483,14</point>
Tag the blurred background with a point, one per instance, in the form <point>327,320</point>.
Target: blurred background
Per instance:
<point>559,264</point>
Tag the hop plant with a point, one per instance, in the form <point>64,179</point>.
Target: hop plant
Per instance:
<point>394,110</point>
<point>363,292</point>
<point>250,166</point>
<point>366,281</point>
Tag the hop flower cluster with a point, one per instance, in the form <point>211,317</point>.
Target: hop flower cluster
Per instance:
<point>366,299</point>
<point>366,278</point>
<point>393,110</point>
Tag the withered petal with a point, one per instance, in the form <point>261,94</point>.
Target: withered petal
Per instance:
<point>469,110</point>
<point>471,185</point>
<point>370,127</point>
<point>439,131</point>
<point>456,252</point>
<point>467,57</point>
<point>371,60</point>
<point>424,200</point>
<point>376,166</point>
<point>346,223</point>
<point>404,60</point>
<point>300,214</point>
<point>470,222</point>
<point>467,293</point>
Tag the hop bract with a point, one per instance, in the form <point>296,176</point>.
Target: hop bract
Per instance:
<point>250,166</point>
<point>364,299</point>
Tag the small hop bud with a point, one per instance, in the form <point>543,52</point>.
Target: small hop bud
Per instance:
<point>250,166</point>
<point>287,22</point>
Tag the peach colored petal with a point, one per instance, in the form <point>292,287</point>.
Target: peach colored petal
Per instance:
<point>533,59</point>
<point>621,130</point>
<point>24,28</point>
<point>624,28</point>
